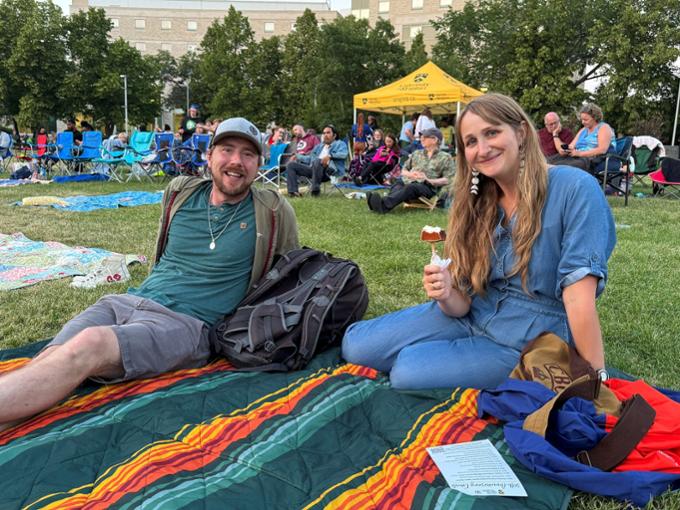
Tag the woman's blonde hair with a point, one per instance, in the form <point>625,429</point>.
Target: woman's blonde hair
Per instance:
<point>473,218</point>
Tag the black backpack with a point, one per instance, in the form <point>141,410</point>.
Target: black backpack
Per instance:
<point>300,307</point>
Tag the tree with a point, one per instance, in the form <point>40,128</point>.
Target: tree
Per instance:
<point>301,58</point>
<point>87,36</point>
<point>143,87</point>
<point>263,99</point>
<point>542,52</point>
<point>222,81</point>
<point>35,64</point>
<point>416,56</point>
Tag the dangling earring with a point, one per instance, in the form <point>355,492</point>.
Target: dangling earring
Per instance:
<point>521,160</point>
<point>474,188</point>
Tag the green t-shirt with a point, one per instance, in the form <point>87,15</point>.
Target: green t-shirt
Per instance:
<point>190,277</point>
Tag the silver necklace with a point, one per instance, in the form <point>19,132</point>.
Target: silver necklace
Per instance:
<point>212,237</point>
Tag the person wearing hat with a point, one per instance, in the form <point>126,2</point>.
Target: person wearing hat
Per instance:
<point>425,173</point>
<point>189,122</point>
<point>217,238</point>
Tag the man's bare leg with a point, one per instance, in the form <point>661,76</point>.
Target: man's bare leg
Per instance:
<point>56,372</point>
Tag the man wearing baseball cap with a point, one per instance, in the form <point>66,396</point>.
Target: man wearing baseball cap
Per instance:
<point>217,237</point>
<point>426,172</point>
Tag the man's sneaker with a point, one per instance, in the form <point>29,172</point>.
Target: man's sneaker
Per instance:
<point>111,270</point>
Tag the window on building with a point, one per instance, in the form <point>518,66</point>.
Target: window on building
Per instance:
<point>445,3</point>
<point>268,26</point>
<point>166,24</point>
<point>166,47</point>
<point>360,13</point>
<point>115,22</point>
<point>416,4</point>
<point>383,7</point>
<point>140,23</point>
<point>414,30</point>
<point>192,26</point>
<point>140,46</point>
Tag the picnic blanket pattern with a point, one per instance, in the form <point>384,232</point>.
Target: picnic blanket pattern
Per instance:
<point>24,262</point>
<point>85,203</point>
<point>332,436</point>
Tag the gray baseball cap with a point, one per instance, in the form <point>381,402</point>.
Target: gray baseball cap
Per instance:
<point>432,132</point>
<point>241,128</point>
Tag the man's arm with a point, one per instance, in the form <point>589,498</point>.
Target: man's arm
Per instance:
<point>339,150</point>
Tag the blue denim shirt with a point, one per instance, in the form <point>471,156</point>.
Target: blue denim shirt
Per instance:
<point>576,239</point>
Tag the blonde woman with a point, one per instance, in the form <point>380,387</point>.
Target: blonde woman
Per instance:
<point>529,246</point>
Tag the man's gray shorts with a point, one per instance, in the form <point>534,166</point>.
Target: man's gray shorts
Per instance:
<point>152,338</point>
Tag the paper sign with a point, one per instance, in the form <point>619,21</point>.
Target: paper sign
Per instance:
<point>476,468</point>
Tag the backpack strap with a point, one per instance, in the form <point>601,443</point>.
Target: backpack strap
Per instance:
<point>637,416</point>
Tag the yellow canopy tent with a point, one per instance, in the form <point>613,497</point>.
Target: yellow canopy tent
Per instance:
<point>427,86</point>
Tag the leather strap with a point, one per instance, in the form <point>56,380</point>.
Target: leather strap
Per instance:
<point>637,417</point>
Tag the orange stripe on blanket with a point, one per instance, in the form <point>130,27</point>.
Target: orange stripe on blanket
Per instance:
<point>83,403</point>
<point>190,450</point>
<point>13,364</point>
<point>395,484</point>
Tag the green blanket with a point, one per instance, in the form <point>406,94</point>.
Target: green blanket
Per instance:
<point>332,436</point>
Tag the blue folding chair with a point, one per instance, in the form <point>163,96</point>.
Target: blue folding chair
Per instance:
<point>270,172</point>
<point>160,160</point>
<point>138,149</point>
<point>90,149</point>
<point>191,157</point>
<point>63,155</point>
<point>6,143</point>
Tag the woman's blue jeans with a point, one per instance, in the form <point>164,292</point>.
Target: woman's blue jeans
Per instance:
<point>421,348</point>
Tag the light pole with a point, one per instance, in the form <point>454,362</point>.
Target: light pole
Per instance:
<point>124,76</point>
<point>675,124</point>
<point>187,84</point>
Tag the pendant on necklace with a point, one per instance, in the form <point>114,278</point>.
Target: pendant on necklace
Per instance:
<point>212,245</point>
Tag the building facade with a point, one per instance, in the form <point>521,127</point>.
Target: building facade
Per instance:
<point>178,26</point>
<point>409,17</point>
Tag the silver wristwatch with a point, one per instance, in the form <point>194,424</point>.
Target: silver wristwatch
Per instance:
<point>602,374</point>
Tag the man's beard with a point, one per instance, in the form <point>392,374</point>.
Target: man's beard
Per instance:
<point>231,191</point>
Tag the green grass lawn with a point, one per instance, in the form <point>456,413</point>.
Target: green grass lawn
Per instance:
<point>638,310</point>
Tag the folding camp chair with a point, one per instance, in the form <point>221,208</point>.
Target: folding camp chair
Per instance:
<point>160,160</point>
<point>191,158</point>
<point>5,150</point>
<point>270,172</point>
<point>613,170</point>
<point>63,156</point>
<point>423,203</point>
<point>646,161</point>
<point>90,149</point>
<point>138,149</point>
<point>666,180</point>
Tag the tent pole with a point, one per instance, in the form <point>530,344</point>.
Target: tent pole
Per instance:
<point>457,108</point>
<point>354,119</point>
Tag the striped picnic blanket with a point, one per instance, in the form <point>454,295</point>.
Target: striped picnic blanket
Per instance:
<point>334,435</point>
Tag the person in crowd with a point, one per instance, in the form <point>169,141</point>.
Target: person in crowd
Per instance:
<point>378,139</point>
<point>383,162</point>
<point>303,141</point>
<point>426,172</point>
<point>86,126</point>
<point>528,247</point>
<point>77,135</point>
<point>553,137</point>
<point>189,122</point>
<point>424,122</point>
<point>361,132</point>
<point>371,148</point>
<point>447,132</point>
<point>372,122</point>
<point>278,135</point>
<point>593,140</point>
<point>325,160</point>
<point>218,237</point>
<point>406,135</point>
